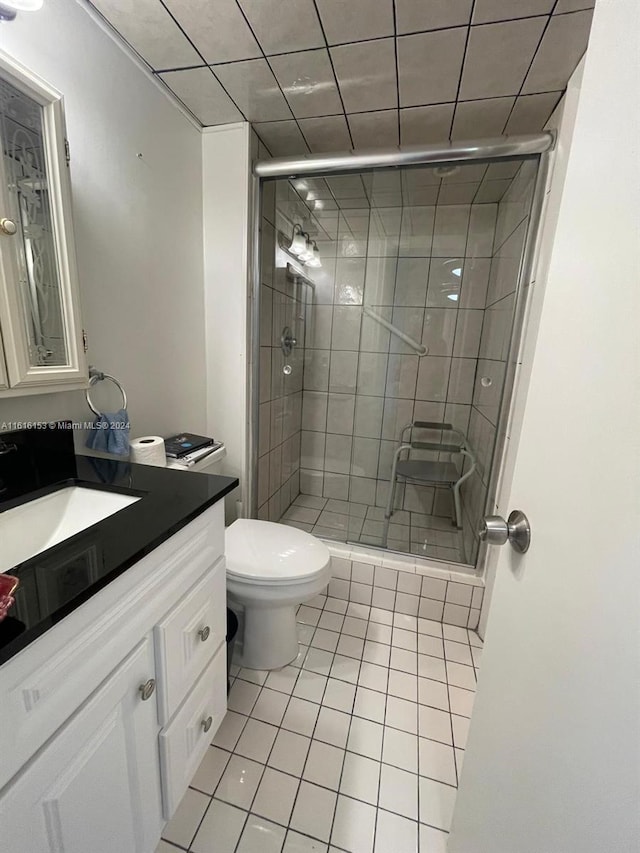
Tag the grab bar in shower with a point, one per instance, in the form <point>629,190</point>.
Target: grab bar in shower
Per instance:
<point>419,348</point>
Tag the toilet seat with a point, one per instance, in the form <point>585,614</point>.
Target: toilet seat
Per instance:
<point>272,554</point>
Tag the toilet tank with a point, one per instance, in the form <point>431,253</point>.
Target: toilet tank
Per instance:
<point>211,464</point>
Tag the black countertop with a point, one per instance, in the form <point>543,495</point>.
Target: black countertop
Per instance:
<point>57,581</point>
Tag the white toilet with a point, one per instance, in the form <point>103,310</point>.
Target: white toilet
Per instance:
<point>271,569</point>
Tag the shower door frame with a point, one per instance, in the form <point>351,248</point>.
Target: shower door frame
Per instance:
<point>495,149</point>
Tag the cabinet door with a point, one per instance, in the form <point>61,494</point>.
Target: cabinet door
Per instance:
<point>96,785</point>
<point>39,302</point>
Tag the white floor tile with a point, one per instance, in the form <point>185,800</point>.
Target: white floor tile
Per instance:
<point>318,660</point>
<point>308,615</point>
<point>370,704</point>
<point>402,714</point>
<point>404,639</point>
<point>296,843</point>
<point>432,840</point>
<point>452,632</point>
<point>474,640</point>
<point>437,761</point>
<point>289,752</point>
<point>436,803</point>
<point>270,706</point>
<point>310,685</point>
<point>220,829</point>
<point>350,646</point>
<point>430,667</point>
<point>360,778</point>
<point>460,730</point>
<point>183,825</point>
<point>373,676</point>
<point>396,833</point>
<point>383,617</point>
<point>313,811</point>
<point>428,645</point>
<point>408,623</point>
<point>376,653</point>
<point>433,693</point>
<point>399,791</point>
<point>476,654</point>
<point>365,738</point>
<point>243,696</point>
<point>339,695</point>
<point>256,740</point>
<point>354,826</point>
<point>255,676</point>
<point>404,660</point>
<point>379,633</point>
<point>323,639</point>
<point>458,652</point>
<point>435,724</point>
<point>428,626</point>
<point>460,754</point>
<point>239,782</point>
<point>336,605</point>
<point>165,847</point>
<point>345,669</point>
<point>275,797</point>
<point>282,679</point>
<point>400,749</point>
<point>461,676</point>
<point>355,610</point>
<point>332,727</point>
<point>403,685</point>
<point>301,716</point>
<point>261,836</point>
<point>461,701</point>
<point>324,765</point>
<point>230,730</point>
<point>331,621</point>
<point>317,601</point>
<point>210,770</point>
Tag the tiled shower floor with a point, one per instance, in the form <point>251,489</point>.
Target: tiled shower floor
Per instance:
<point>410,532</point>
<point>357,746</point>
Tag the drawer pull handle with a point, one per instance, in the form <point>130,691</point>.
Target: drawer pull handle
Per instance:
<point>146,689</point>
<point>206,724</point>
<point>203,633</point>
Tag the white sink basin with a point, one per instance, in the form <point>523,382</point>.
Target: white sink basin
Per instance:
<point>37,525</point>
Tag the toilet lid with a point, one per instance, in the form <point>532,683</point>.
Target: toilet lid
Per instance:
<point>272,552</point>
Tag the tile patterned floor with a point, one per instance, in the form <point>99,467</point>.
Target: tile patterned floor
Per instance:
<point>357,746</point>
<point>411,532</point>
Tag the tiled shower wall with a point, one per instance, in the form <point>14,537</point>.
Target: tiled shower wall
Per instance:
<point>282,303</point>
<point>510,234</point>
<point>426,269</point>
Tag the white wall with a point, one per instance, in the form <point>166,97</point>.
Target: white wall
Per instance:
<point>553,756</point>
<point>138,222</point>
<point>226,154</point>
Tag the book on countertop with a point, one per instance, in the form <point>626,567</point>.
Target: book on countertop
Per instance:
<point>191,458</point>
<point>184,443</point>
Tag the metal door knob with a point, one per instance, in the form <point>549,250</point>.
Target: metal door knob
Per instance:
<point>203,633</point>
<point>206,724</point>
<point>146,689</point>
<point>8,227</point>
<point>494,530</point>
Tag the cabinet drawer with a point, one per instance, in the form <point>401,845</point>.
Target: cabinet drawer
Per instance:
<point>184,742</point>
<point>188,636</point>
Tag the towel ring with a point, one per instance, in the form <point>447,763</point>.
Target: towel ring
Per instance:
<point>96,377</point>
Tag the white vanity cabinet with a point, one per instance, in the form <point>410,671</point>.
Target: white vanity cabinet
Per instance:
<point>108,714</point>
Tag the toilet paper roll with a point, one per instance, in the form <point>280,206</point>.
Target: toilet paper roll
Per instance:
<point>148,450</point>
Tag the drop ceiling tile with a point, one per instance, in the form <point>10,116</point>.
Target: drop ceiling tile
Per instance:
<point>498,57</point>
<point>219,30</point>
<point>505,169</point>
<point>564,42</point>
<point>366,75</point>
<point>422,196</point>
<point>458,193</point>
<point>356,20</point>
<point>487,11</point>
<point>326,134</point>
<point>429,66</point>
<point>424,125</point>
<point>491,192</point>
<point>347,186</point>
<point>151,31</point>
<point>307,80</point>
<point>282,138</point>
<point>413,17</point>
<point>466,173</point>
<point>420,176</point>
<point>475,119</point>
<point>254,89</point>
<point>284,26</point>
<point>531,112</point>
<point>203,95</point>
<point>573,6</point>
<point>375,129</point>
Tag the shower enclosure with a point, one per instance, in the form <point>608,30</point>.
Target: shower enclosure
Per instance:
<point>389,297</point>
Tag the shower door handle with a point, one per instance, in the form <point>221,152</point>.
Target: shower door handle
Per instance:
<point>494,530</point>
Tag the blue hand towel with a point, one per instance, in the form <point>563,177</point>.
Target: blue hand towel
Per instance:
<point>110,433</point>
